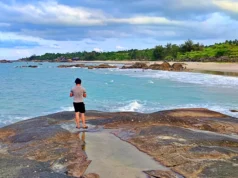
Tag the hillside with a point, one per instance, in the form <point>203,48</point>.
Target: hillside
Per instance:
<point>189,51</point>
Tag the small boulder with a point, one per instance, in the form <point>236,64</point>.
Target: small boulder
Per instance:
<point>177,66</point>
<point>154,67</point>
<point>5,61</point>
<point>69,66</point>
<point>79,65</point>
<point>165,66</point>
<point>90,67</point>
<point>104,66</point>
<point>140,65</point>
<point>30,66</point>
<point>137,65</point>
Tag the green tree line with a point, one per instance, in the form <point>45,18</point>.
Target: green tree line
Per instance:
<point>188,51</point>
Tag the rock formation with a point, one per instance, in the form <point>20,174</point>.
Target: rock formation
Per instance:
<point>5,61</point>
<point>137,65</point>
<point>164,66</point>
<point>101,66</point>
<point>69,66</point>
<point>190,142</point>
<point>30,66</point>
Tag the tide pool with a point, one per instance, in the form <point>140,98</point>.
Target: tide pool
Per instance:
<point>27,92</point>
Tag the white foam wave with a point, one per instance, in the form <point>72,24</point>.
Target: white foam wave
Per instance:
<point>133,106</point>
<point>67,108</point>
<point>149,107</point>
<point>10,119</point>
<point>184,77</point>
<point>150,81</point>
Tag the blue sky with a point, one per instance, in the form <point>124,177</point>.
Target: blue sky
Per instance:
<point>30,27</point>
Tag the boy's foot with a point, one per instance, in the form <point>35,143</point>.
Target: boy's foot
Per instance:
<point>85,127</point>
<point>77,127</point>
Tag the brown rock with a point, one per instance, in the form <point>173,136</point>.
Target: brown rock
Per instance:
<point>165,66</point>
<point>69,66</point>
<point>101,66</point>
<point>5,61</point>
<point>161,174</point>
<point>77,170</point>
<point>90,67</point>
<point>137,65</point>
<point>30,66</point>
<point>104,66</point>
<point>154,67</point>
<point>91,175</point>
<point>234,110</point>
<point>177,66</point>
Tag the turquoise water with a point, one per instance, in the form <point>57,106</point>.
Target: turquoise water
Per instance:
<point>27,92</point>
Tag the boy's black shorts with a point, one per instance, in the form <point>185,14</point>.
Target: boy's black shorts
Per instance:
<point>79,107</point>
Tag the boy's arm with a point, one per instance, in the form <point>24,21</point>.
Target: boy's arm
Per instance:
<point>71,93</point>
<point>84,93</point>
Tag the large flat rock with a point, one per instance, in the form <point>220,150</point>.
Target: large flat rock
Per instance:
<point>191,142</point>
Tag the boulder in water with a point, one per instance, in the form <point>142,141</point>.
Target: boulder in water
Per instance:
<point>177,66</point>
<point>154,67</point>
<point>104,66</point>
<point>137,65</point>
<point>30,66</point>
<point>69,66</point>
<point>5,61</point>
<point>165,66</point>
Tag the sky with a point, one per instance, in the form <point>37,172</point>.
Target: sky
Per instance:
<point>30,27</point>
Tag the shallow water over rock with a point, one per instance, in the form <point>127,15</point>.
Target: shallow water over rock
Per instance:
<point>112,157</point>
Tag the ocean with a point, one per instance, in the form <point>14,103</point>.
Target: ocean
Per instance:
<point>28,92</point>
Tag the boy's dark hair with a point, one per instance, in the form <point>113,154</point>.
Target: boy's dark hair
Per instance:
<point>78,81</point>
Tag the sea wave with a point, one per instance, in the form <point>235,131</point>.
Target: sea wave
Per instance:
<point>149,107</point>
<point>127,106</point>
<point>133,106</point>
<point>183,77</point>
<point>10,119</point>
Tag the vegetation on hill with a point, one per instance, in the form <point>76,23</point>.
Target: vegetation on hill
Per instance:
<point>189,51</point>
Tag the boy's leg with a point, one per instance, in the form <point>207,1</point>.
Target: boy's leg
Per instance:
<point>83,119</point>
<point>77,119</point>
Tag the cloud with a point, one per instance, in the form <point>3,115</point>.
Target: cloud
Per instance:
<point>53,13</point>
<point>17,44</point>
<point>118,47</point>
<point>97,50</point>
<point>228,5</point>
<point>56,46</point>
<point>68,26</point>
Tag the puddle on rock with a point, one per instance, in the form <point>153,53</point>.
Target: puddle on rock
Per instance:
<point>112,157</point>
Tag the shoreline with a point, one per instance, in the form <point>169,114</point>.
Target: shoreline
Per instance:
<point>216,68</point>
<point>226,69</point>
